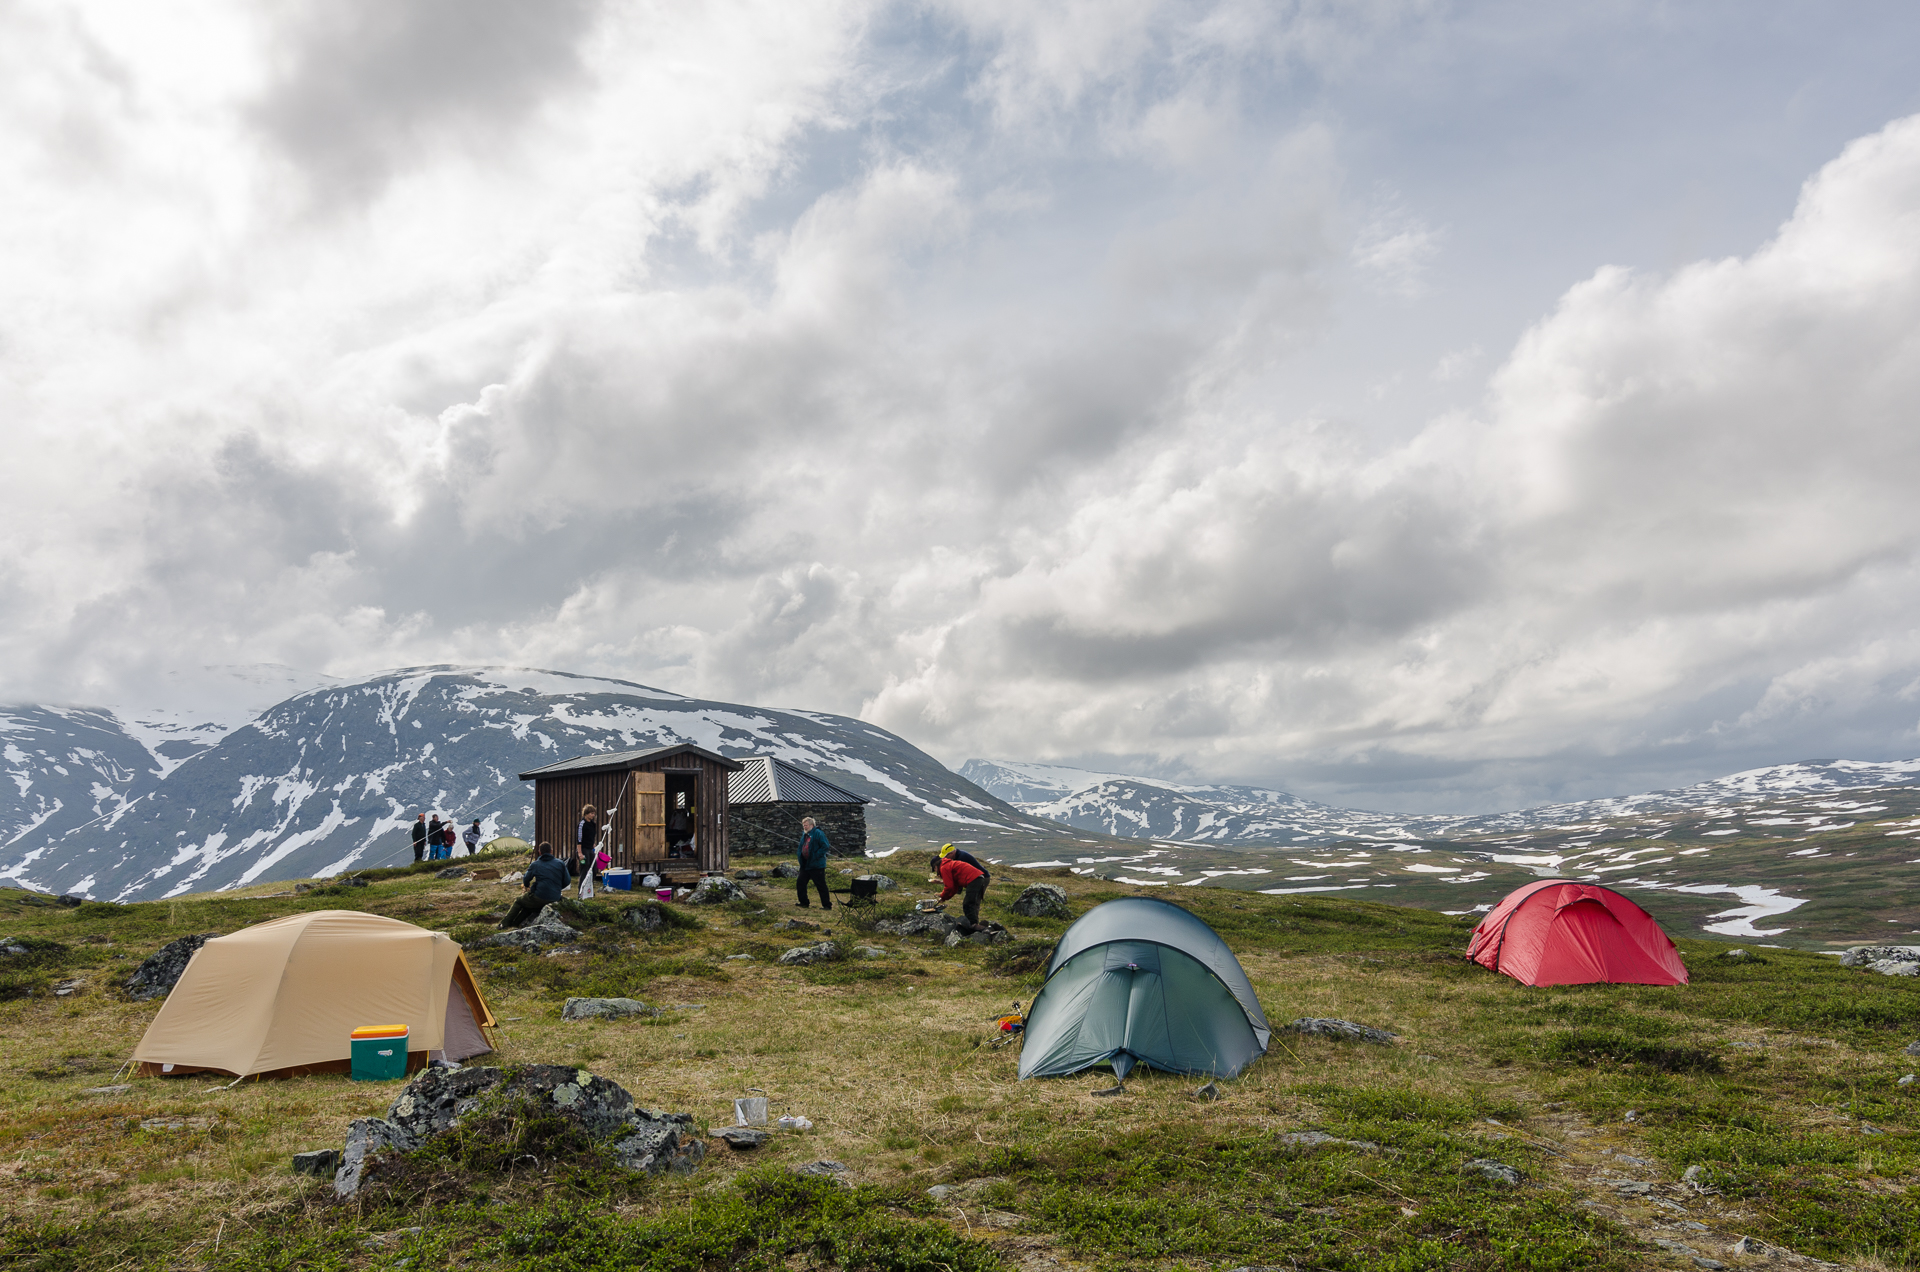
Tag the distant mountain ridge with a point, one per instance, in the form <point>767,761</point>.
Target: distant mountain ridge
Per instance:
<point>1249,816</point>
<point>331,778</point>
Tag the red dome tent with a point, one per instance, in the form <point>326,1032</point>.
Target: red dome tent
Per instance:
<point>1557,932</point>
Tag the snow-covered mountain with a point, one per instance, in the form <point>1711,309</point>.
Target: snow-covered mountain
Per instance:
<point>1150,808</point>
<point>330,779</point>
<point>1246,816</point>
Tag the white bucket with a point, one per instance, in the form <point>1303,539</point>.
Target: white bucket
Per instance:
<point>750,1110</point>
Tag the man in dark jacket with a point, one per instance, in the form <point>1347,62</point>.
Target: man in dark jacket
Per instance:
<point>813,852</point>
<point>961,854</point>
<point>420,837</point>
<point>956,876</point>
<point>544,882</point>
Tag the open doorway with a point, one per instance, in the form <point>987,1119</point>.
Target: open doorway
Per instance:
<point>683,815</point>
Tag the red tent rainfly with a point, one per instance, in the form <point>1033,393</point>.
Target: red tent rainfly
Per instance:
<point>1558,932</point>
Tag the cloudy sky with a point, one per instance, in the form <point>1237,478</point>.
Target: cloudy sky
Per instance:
<point>1421,406</point>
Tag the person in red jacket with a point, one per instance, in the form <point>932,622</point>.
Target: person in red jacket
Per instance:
<point>958,876</point>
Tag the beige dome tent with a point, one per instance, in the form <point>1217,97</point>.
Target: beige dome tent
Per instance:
<point>280,999</point>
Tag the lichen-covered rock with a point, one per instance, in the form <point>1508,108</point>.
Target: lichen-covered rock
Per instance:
<point>321,1162</point>
<point>742,1138</point>
<point>919,923</point>
<point>451,872</point>
<point>1492,1171</point>
<point>1868,955</point>
<point>786,870</point>
<point>156,977</point>
<point>1042,901</point>
<point>605,1009</point>
<point>547,928</point>
<point>433,1103</point>
<point>715,889</point>
<point>800,955</point>
<point>1345,1030</point>
<point>1894,967</point>
<point>648,918</point>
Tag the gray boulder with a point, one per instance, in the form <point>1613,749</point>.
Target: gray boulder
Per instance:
<point>881,883</point>
<point>1042,901</point>
<point>749,874</point>
<point>1342,1030</point>
<point>1895,967</point>
<point>985,934</point>
<point>605,1009</point>
<point>451,872</point>
<point>869,951</point>
<point>715,889</point>
<point>1492,1171</point>
<point>647,918</point>
<point>156,977</point>
<point>801,955</point>
<point>547,928</point>
<point>1868,955</point>
<point>786,870</point>
<point>919,923</point>
<point>820,1169</point>
<point>742,1138</point>
<point>643,1140</point>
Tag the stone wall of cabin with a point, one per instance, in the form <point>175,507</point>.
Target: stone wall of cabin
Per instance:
<point>773,830</point>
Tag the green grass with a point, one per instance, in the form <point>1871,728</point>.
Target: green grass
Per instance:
<point>1778,1077</point>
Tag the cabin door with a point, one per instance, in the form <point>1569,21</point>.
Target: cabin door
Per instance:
<point>649,817</point>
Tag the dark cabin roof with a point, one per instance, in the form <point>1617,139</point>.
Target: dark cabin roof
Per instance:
<point>616,761</point>
<point>765,780</point>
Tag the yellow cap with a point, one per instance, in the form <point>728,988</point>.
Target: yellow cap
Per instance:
<point>945,849</point>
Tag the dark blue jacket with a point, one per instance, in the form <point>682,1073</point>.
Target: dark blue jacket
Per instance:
<point>813,850</point>
<point>549,877</point>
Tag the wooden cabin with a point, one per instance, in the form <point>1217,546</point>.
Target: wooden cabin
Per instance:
<point>769,799</point>
<point>663,810</point>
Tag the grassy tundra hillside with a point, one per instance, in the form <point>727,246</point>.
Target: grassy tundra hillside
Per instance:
<point>1778,1077</point>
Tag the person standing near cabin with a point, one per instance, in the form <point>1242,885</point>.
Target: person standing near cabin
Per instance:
<point>420,837</point>
<point>472,837</point>
<point>433,838</point>
<point>449,837</point>
<point>586,837</point>
<point>813,851</point>
<point>956,876</point>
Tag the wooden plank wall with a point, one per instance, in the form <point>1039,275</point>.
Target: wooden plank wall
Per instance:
<point>557,801</point>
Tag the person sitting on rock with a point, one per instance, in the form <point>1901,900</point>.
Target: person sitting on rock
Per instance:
<point>545,882</point>
<point>958,876</point>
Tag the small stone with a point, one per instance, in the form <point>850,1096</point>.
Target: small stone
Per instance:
<point>1736,955</point>
<point>1315,1139</point>
<point>795,925</point>
<point>605,1009</point>
<point>1633,1115</point>
<point>820,1169</point>
<point>1752,1247</point>
<point>1906,1080</point>
<point>742,1138</point>
<point>869,951</point>
<point>739,958</point>
<point>121,1089</point>
<point>716,890</point>
<point>1344,1030</point>
<point>321,1162</point>
<point>1913,1048</point>
<point>940,1192</point>
<point>70,986</point>
<point>1492,1171</point>
<point>1712,1265</point>
<point>1674,1247</point>
<point>451,872</point>
<point>1042,901</point>
<point>954,940</point>
<point>1211,1091</point>
<point>802,955</point>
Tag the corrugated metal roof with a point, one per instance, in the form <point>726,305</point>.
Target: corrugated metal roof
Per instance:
<point>604,760</point>
<point>766,780</point>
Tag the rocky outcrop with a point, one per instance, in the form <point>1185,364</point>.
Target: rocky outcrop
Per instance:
<point>547,928</point>
<point>802,955</point>
<point>714,889</point>
<point>1042,901</point>
<point>605,1009</point>
<point>919,923</point>
<point>643,1140</point>
<point>1888,960</point>
<point>986,932</point>
<point>1343,1030</point>
<point>1493,1172</point>
<point>156,977</point>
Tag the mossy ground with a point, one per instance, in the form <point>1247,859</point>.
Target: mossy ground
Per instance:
<point>1778,1076</point>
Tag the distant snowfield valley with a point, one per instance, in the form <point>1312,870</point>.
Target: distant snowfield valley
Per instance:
<point>280,775</point>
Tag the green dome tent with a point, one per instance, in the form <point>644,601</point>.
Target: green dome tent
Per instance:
<point>1140,981</point>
